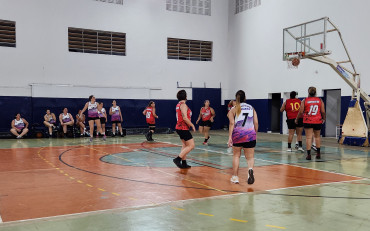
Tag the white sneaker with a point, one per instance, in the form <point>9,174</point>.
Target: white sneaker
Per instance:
<point>19,137</point>
<point>289,150</point>
<point>300,149</point>
<point>234,179</point>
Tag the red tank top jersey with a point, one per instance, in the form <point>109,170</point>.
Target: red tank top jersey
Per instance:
<point>149,115</point>
<point>206,113</point>
<point>312,111</point>
<point>292,108</point>
<point>181,125</point>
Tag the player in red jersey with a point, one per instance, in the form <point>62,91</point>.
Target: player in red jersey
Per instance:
<point>231,104</point>
<point>206,116</point>
<point>150,115</point>
<point>313,111</point>
<point>183,116</point>
<point>291,106</point>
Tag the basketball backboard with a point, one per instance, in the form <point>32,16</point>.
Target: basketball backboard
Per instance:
<point>306,39</point>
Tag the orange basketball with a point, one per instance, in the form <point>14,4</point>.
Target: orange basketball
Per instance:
<point>295,62</point>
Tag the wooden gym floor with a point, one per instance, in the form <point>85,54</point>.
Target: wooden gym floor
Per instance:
<point>130,184</point>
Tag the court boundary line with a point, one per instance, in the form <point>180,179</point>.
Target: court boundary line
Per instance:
<point>310,185</point>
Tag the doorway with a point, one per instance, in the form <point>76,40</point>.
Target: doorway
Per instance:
<point>275,112</point>
<point>332,108</point>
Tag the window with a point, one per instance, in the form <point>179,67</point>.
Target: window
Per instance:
<point>243,5</point>
<point>7,33</point>
<point>96,42</point>
<point>202,7</point>
<point>120,2</point>
<point>185,49</point>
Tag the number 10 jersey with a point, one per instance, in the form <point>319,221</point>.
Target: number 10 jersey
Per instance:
<point>244,127</point>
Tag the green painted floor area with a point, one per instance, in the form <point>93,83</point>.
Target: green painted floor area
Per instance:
<point>335,206</point>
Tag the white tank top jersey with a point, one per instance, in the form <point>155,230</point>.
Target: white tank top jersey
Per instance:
<point>115,109</point>
<point>92,110</point>
<point>19,123</point>
<point>244,127</point>
<point>66,118</point>
<point>101,112</point>
<point>115,115</point>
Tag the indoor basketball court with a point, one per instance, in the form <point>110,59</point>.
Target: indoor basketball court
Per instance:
<point>95,98</point>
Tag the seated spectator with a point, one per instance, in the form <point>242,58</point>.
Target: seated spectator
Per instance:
<point>19,126</point>
<point>50,121</point>
<point>80,122</point>
<point>66,119</point>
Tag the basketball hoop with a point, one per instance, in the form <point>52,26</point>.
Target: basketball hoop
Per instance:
<point>293,59</point>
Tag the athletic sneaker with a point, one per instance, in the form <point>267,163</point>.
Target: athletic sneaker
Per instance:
<point>318,156</point>
<point>314,147</point>
<point>177,162</point>
<point>147,136</point>
<point>205,143</point>
<point>250,176</point>
<point>185,165</point>
<point>296,146</point>
<point>234,179</point>
<point>113,135</point>
<point>308,157</point>
<point>289,150</point>
<point>19,137</point>
<point>300,149</point>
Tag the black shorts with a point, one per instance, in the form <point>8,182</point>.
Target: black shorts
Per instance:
<point>184,134</point>
<point>151,125</point>
<point>92,118</point>
<point>292,125</point>
<point>116,122</point>
<point>250,144</point>
<point>103,120</point>
<point>315,127</point>
<point>206,123</point>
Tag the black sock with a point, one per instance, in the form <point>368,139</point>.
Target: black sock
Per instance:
<point>318,151</point>
<point>308,152</point>
<point>300,143</point>
<point>289,145</point>
<point>178,158</point>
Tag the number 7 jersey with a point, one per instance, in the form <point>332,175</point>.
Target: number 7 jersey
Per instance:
<point>244,127</point>
<point>312,111</point>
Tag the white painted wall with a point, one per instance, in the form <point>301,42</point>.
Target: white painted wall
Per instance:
<point>256,38</point>
<point>42,54</point>
<point>247,51</point>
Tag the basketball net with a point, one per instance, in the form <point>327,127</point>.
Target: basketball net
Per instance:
<point>293,59</point>
<point>290,63</point>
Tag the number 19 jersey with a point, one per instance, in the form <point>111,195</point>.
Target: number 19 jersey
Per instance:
<point>244,127</point>
<point>312,111</point>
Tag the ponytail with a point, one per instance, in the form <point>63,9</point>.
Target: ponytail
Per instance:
<point>238,107</point>
<point>240,98</point>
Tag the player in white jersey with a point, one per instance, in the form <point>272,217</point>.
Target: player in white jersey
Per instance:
<point>92,116</point>
<point>66,119</point>
<point>242,135</point>
<point>103,118</point>
<point>19,126</point>
<point>116,118</point>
